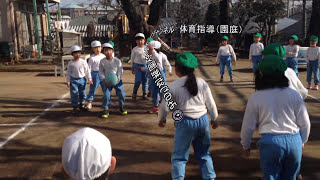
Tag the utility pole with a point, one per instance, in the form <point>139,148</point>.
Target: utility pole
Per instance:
<point>304,20</point>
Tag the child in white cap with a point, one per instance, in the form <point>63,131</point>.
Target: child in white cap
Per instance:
<point>138,60</point>
<point>77,70</point>
<point>113,65</point>
<point>87,155</point>
<point>93,63</point>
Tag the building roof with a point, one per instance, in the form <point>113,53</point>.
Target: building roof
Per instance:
<point>72,6</point>
<point>83,20</point>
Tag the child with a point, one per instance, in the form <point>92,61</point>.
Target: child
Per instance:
<point>76,81</point>
<point>111,65</point>
<point>138,60</point>
<point>255,49</point>
<point>194,99</point>
<point>294,82</point>
<point>155,93</point>
<point>282,119</point>
<point>224,56</point>
<point>292,52</point>
<point>94,62</point>
<point>313,58</point>
<point>87,154</point>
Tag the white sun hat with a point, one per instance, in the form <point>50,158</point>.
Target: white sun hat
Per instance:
<point>107,45</point>
<point>140,35</point>
<point>86,154</point>
<point>155,44</point>
<point>95,43</point>
<point>75,48</point>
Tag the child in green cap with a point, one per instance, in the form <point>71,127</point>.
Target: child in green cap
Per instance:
<point>255,51</point>
<point>313,58</point>
<point>282,119</point>
<point>225,56</point>
<point>291,53</point>
<point>194,100</point>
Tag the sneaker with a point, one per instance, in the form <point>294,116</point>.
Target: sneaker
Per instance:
<point>231,79</point>
<point>221,79</point>
<point>155,109</point>
<point>105,113</point>
<point>134,96</point>
<point>149,94</point>
<point>299,177</point>
<point>75,111</point>
<point>123,111</point>
<point>316,87</point>
<point>89,105</point>
<point>309,86</point>
<point>144,96</point>
<point>83,107</point>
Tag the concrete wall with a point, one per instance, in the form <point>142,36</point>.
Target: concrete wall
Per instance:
<point>5,28</point>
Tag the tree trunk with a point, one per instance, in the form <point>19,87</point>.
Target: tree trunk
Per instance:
<point>224,12</point>
<point>314,27</point>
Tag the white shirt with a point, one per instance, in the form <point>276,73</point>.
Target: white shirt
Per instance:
<point>138,56</point>
<point>191,106</point>
<point>290,49</point>
<point>255,49</point>
<point>313,54</point>
<point>110,66</point>
<point>78,69</point>
<point>295,83</point>
<point>165,62</point>
<point>226,51</point>
<point>276,111</point>
<point>158,59</point>
<point>94,62</point>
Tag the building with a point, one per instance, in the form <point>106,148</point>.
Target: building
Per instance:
<point>73,10</point>
<point>19,25</point>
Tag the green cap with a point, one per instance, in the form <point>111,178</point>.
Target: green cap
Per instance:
<point>257,35</point>
<point>225,38</point>
<point>294,37</point>
<point>112,43</point>
<point>187,59</point>
<point>272,65</point>
<point>314,38</point>
<point>149,39</point>
<point>275,49</point>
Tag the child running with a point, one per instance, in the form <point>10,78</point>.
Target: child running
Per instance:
<point>292,53</point>
<point>313,58</point>
<point>255,51</point>
<point>138,60</point>
<point>77,70</point>
<point>282,119</point>
<point>194,99</point>
<point>225,56</point>
<point>111,65</point>
<point>93,63</point>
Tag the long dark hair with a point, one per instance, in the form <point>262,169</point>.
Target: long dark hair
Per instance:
<point>191,83</point>
<point>270,81</point>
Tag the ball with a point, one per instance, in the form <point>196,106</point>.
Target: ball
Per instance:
<point>111,79</point>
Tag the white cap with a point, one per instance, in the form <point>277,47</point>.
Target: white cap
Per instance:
<point>95,43</point>
<point>107,45</point>
<point>86,154</point>
<point>140,35</point>
<point>75,48</point>
<point>155,44</point>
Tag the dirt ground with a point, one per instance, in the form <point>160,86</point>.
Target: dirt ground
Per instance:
<point>31,94</point>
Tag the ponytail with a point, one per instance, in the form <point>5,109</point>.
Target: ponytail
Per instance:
<point>191,83</point>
